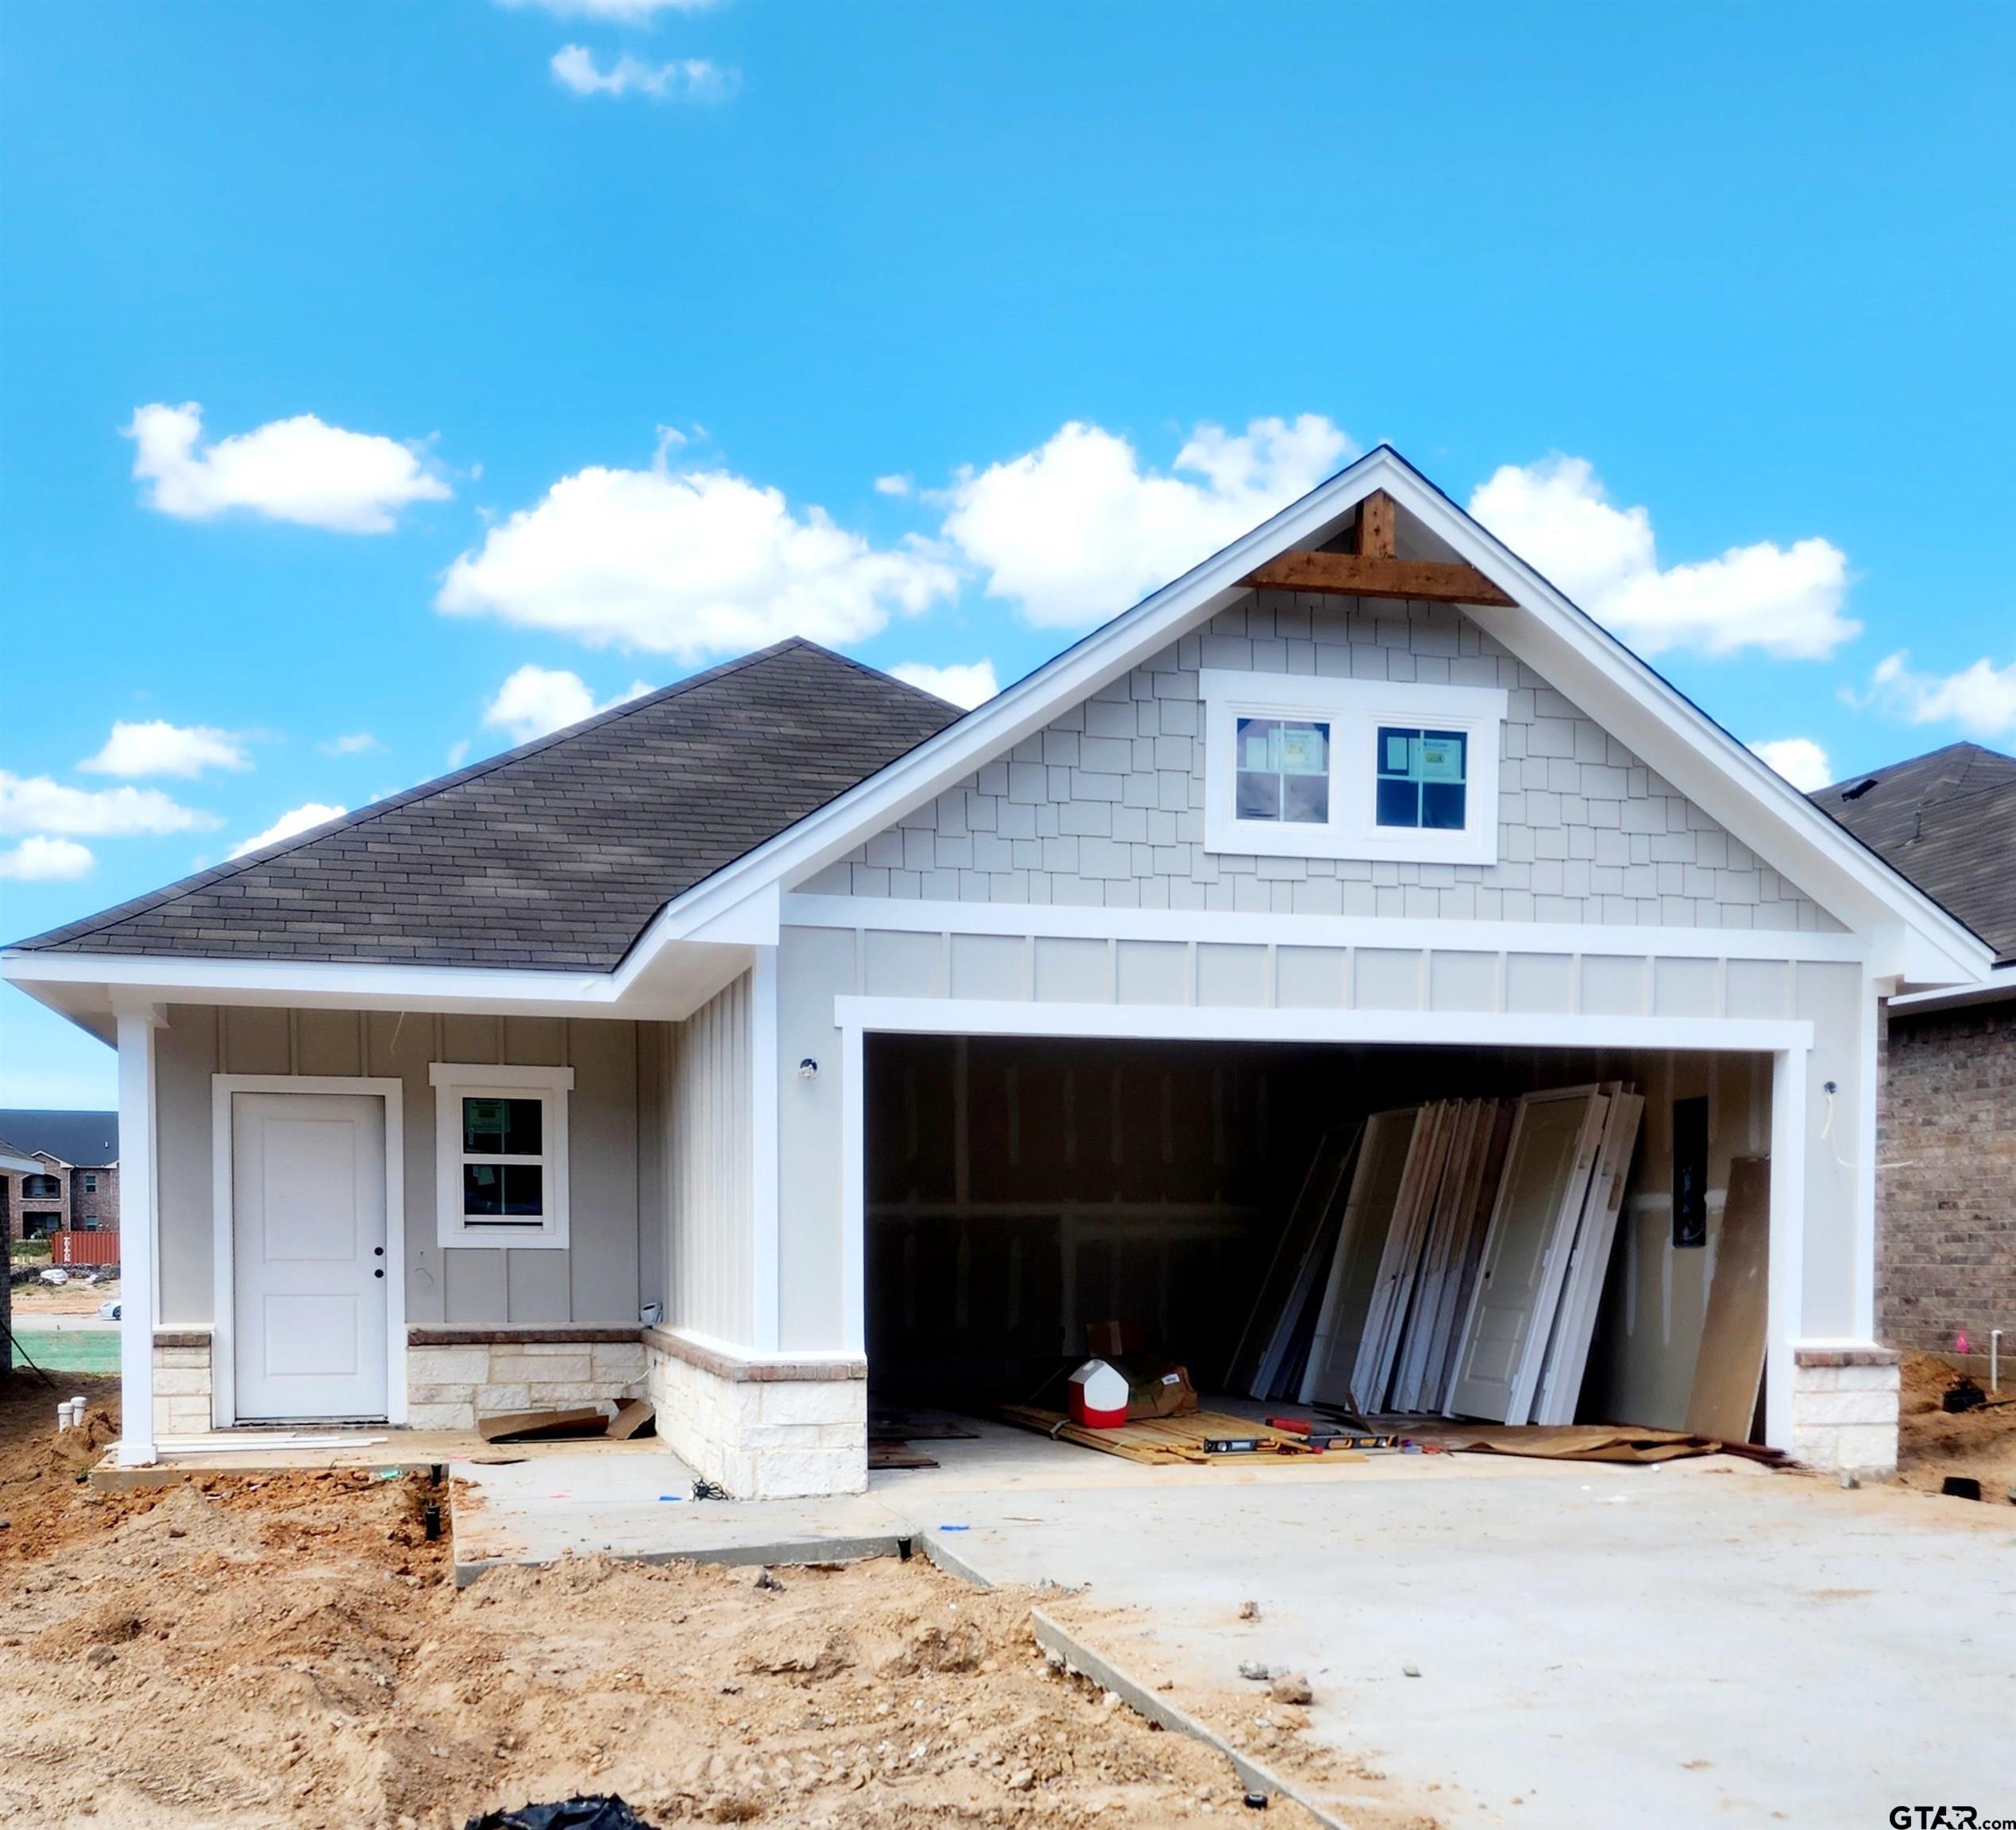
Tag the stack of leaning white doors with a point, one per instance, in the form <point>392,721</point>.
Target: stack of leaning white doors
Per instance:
<point>1461,1247</point>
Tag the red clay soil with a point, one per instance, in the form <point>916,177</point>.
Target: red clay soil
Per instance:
<point>289,1651</point>
<point>1933,1443</point>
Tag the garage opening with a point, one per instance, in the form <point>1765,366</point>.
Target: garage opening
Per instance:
<point>1319,1230</point>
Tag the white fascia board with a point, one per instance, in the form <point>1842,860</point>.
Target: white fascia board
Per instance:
<point>903,914</point>
<point>1992,988</point>
<point>83,987</point>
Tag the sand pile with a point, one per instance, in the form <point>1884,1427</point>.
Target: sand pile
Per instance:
<point>1933,1443</point>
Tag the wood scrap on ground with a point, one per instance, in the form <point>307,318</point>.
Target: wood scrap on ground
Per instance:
<point>894,1425</point>
<point>1175,1441</point>
<point>633,1417</point>
<point>885,1453</point>
<point>1581,1442</point>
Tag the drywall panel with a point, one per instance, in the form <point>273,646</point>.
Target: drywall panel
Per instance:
<point>1152,971</point>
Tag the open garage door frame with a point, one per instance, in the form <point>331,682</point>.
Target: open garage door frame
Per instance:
<point>1787,1042</point>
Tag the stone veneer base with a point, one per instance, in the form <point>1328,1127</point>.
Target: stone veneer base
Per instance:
<point>1844,1408</point>
<point>455,1377</point>
<point>762,1428</point>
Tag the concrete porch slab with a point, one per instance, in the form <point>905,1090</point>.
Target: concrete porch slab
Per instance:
<point>539,1512</point>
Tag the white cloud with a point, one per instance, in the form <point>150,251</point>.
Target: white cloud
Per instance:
<point>37,804</point>
<point>299,469</point>
<point>39,859</point>
<point>1077,530</point>
<point>967,683</point>
<point>1980,698</point>
<point>295,819</point>
<point>690,563</point>
<point>613,12</point>
<point>895,485</point>
<point>1800,760</point>
<point>159,748</point>
<point>683,79</point>
<point>535,700</point>
<point>351,743</point>
<point>1556,515</point>
<point>458,752</point>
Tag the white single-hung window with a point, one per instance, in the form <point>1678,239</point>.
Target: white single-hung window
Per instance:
<point>500,1149</point>
<point>1300,766</point>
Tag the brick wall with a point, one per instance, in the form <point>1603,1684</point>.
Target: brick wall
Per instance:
<point>1946,1177</point>
<point>1105,806</point>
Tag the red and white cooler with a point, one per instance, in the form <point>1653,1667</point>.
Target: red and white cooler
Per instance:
<point>1099,1396</point>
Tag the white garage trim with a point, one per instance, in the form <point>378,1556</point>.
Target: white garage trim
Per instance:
<point>1788,1043</point>
<point>223,1264</point>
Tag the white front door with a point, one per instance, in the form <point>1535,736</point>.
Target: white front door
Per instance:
<point>310,1266</point>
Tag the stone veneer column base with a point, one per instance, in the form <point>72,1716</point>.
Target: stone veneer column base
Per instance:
<point>182,1386</point>
<point>454,1375</point>
<point>1844,1408</point>
<point>762,1429</point>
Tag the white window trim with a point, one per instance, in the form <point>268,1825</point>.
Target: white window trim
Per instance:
<point>1354,709</point>
<point>454,1082</point>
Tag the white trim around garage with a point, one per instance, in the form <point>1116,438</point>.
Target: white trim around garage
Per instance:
<point>1788,1042</point>
<point>223,1383</point>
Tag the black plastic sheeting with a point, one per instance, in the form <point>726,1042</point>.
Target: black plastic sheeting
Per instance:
<point>596,1813</point>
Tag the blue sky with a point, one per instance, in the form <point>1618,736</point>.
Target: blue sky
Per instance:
<point>602,339</point>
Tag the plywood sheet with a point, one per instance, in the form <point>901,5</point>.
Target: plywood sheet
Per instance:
<point>1731,1363</point>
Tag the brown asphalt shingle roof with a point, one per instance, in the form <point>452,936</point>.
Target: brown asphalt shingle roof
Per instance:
<point>556,855</point>
<point>1947,819</point>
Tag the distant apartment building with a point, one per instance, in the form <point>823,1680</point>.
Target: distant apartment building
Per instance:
<point>73,1184</point>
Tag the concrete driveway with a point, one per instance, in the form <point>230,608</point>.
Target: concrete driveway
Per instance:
<point>1694,1642</point>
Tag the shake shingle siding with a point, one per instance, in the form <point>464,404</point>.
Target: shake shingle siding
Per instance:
<point>556,856</point>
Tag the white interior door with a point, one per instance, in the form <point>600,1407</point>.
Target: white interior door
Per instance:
<point>1547,1166</point>
<point>309,1262</point>
<point>1354,1269</point>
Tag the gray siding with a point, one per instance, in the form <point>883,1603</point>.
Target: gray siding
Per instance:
<point>1105,806</point>
<point>709,1157</point>
<point>596,1280</point>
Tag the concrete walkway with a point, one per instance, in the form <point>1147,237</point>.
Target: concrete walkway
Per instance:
<point>1594,1646</point>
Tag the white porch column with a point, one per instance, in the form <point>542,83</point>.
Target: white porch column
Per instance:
<point>1785,1275</point>
<point>137,1234</point>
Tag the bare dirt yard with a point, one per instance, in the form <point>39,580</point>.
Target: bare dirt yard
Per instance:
<point>288,1650</point>
<point>1933,1443</point>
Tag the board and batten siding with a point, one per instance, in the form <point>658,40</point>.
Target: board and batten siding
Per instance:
<point>708,1157</point>
<point>596,1281</point>
<point>1104,808</point>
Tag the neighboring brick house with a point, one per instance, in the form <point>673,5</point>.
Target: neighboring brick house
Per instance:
<point>1946,1166</point>
<point>75,1184</point>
